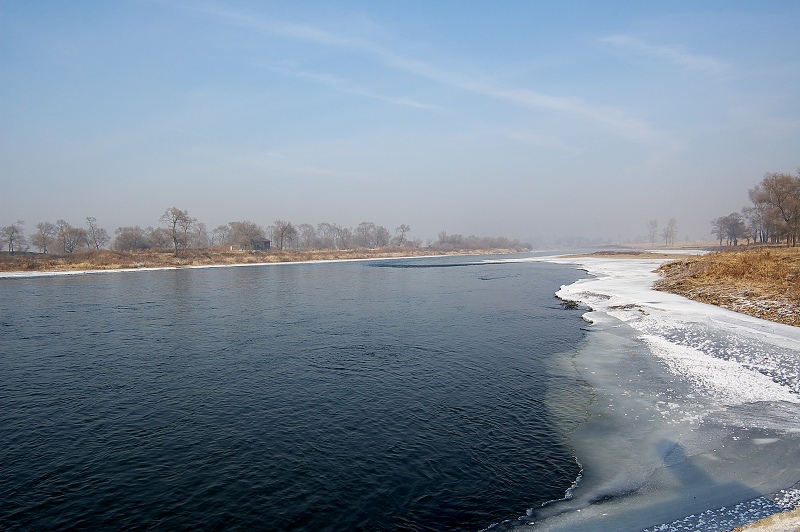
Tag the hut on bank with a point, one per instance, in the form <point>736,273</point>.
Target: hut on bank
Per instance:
<point>256,245</point>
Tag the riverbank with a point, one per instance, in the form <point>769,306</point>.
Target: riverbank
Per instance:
<point>760,282</point>
<point>763,282</point>
<point>108,260</point>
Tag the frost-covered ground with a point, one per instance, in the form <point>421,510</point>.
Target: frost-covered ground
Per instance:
<point>695,417</point>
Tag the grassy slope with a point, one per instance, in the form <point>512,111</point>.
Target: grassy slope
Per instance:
<point>761,282</point>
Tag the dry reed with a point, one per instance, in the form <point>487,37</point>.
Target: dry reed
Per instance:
<point>762,282</point>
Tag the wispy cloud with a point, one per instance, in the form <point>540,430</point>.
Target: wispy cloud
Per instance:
<point>293,31</point>
<point>614,120</point>
<point>345,86</point>
<point>674,54</point>
<point>539,140</point>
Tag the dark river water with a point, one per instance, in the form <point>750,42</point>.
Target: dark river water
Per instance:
<point>383,395</point>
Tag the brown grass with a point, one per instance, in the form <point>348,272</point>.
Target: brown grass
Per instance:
<point>761,282</point>
<point>788,521</point>
<point>115,260</point>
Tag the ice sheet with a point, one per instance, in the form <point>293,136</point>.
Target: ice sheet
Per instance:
<point>695,421</point>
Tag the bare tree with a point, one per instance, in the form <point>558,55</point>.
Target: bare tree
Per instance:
<point>70,238</point>
<point>718,228</point>
<point>13,236</point>
<point>652,229</point>
<point>219,235</point>
<point>669,232</point>
<point>334,236</point>
<point>382,236</point>
<point>735,228</point>
<point>199,237</point>
<point>62,228</point>
<point>782,192</point>
<point>44,239</point>
<point>244,233</point>
<point>730,228</point>
<point>130,238</point>
<point>178,223</point>
<point>344,237</point>
<point>307,236</point>
<point>97,236</point>
<point>400,238</point>
<point>673,230</point>
<point>326,234</point>
<point>185,224</point>
<point>158,237</point>
<point>366,234</point>
<point>756,223</point>
<point>73,238</point>
<point>284,233</point>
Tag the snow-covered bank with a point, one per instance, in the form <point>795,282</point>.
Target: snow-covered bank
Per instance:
<point>621,288</point>
<point>695,422</point>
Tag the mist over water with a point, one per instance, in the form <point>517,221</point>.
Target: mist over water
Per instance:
<point>403,394</point>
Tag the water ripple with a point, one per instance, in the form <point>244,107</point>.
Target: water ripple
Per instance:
<point>411,396</point>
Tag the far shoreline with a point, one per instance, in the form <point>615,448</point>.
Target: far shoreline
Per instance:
<point>678,268</point>
<point>87,263</point>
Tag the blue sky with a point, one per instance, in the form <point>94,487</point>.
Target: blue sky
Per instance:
<point>517,118</point>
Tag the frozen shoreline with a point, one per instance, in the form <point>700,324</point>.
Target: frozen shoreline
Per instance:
<point>62,273</point>
<point>695,420</point>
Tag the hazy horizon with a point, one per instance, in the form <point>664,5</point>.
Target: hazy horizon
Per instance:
<point>518,119</point>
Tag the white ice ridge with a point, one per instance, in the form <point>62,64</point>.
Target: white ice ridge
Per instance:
<point>727,381</point>
<point>734,357</point>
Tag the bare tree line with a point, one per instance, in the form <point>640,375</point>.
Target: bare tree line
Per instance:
<point>178,230</point>
<point>447,242</point>
<point>286,235</point>
<point>773,218</point>
<point>668,233</point>
<point>54,238</point>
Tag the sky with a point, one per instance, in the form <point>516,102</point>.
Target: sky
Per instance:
<point>527,119</point>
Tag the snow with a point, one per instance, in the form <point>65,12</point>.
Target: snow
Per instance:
<point>695,419</point>
<point>736,358</point>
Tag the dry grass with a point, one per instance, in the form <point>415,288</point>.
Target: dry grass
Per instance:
<point>115,260</point>
<point>761,282</point>
<point>783,522</point>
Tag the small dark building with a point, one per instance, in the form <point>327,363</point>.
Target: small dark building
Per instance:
<point>257,245</point>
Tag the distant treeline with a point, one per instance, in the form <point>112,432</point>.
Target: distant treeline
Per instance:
<point>178,230</point>
<point>454,242</point>
<point>774,216</point>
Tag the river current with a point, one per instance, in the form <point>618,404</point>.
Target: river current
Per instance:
<point>414,394</point>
